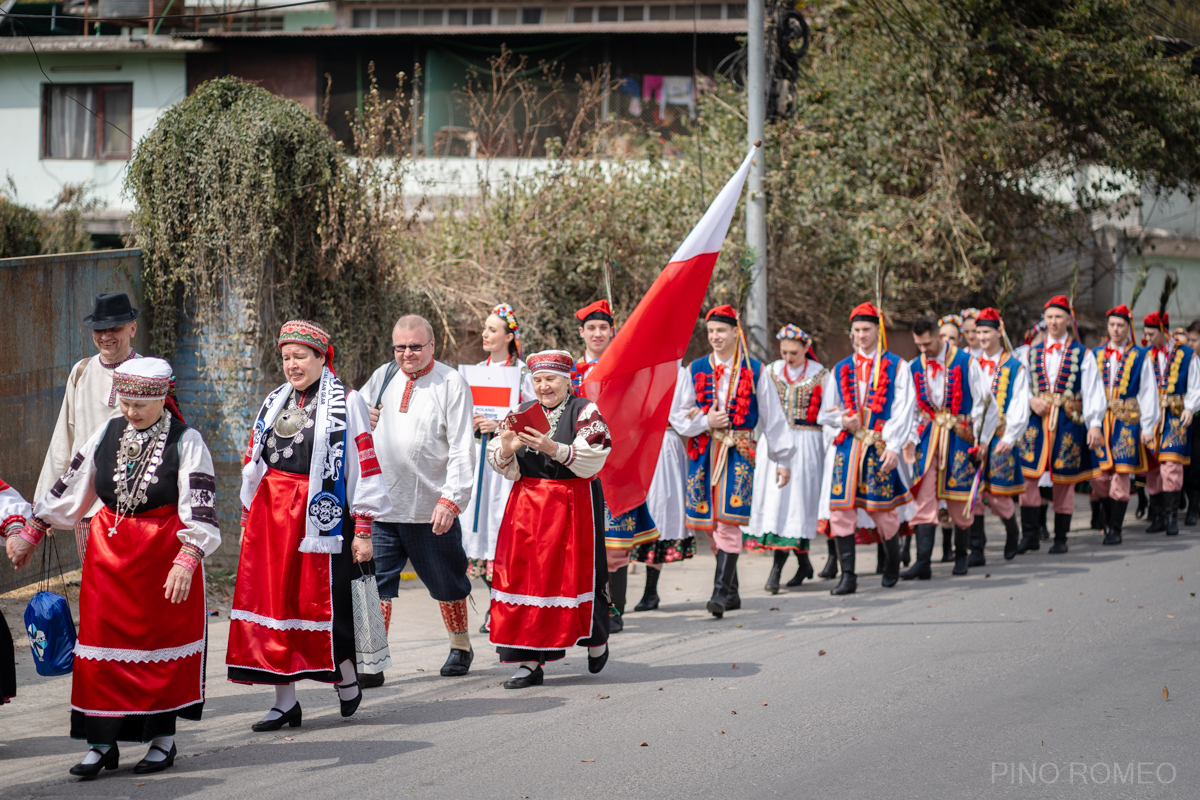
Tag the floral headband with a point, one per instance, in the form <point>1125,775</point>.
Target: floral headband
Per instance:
<point>790,331</point>
<point>951,319</point>
<point>970,313</point>
<point>505,312</point>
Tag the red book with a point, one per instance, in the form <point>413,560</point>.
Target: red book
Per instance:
<point>532,417</point>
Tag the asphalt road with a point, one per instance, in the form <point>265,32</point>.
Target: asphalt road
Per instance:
<point>1043,677</point>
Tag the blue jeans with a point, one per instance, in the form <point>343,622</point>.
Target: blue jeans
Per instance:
<point>440,561</point>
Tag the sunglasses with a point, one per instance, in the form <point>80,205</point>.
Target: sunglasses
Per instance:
<point>412,348</point>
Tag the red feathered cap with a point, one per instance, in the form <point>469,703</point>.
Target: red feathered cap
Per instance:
<point>988,318</point>
<point>1153,320</point>
<point>1121,311</point>
<point>726,313</point>
<point>865,312</point>
<point>1059,301</point>
<point>598,310</point>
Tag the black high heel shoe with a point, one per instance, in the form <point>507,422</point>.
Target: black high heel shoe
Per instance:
<point>348,706</point>
<point>145,766</point>
<point>292,717</point>
<point>110,760</point>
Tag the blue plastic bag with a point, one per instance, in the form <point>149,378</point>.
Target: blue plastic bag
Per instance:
<point>51,633</point>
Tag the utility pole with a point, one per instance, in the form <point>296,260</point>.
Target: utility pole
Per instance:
<point>756,201</point>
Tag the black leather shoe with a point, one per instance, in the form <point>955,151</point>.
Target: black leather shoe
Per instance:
<point>615,624</point>
<point>1111,537</point>
<point>649,602</point>
<point>370,680</point>
<point>831,564</point>
<point>291,718</point>
<point>1059,546</point>
<point>534,678</point>
<point>805,570</point>
<point>772,584</point>
<point>348,706</point>
<point>596,664</point>
<point>110,760</point>
<point>457,663</point>
<point>847,585</point>
<point>145,766</point>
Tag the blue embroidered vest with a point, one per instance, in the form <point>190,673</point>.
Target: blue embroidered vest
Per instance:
<point>857,479</point>
<point>954,482</point>
<point>1172,437</point>
<point>1001,475</point>
<point>1058,442</point>
<point>1123,448</point>
<point>732,489</point>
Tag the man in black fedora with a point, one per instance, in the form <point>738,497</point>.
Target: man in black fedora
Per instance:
<point>89,401</point>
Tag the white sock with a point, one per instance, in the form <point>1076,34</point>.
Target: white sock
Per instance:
<point>596,652</point>
<point>526,665</point>
<point>285,698</point>
<point>95,754</point>
<point>347,677</point>
<point>165,742</point>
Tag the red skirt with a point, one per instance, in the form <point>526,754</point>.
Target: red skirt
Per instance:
<point>543,581</point>
<point>282,617</point>
<point>137,653</point>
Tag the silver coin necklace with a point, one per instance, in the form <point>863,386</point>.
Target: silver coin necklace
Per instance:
<point>139,455</point>
<point>290,425</point>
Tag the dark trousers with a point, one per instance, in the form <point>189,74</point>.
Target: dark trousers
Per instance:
<point>440,561</point>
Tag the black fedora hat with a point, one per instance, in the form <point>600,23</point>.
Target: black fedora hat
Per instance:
<point>110,311</point>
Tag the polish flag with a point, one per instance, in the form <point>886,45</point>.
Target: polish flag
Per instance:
<point>634,380</point>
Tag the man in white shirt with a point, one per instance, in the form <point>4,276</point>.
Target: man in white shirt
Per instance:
<point>1177,376</point>
<point>1064,436</point>
<point>1131,415</point>
<point>89,401</point>
<point>868,401</point>
<point>426,449</point>
<point>950,401</point>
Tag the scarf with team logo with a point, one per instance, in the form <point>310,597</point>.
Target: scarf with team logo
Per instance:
<point>326,506</point>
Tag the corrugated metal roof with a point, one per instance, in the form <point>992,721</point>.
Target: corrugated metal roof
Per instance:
<point>98,44</point>
<point>676,26</point>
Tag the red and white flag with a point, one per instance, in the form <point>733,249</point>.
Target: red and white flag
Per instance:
<point>634,380</point>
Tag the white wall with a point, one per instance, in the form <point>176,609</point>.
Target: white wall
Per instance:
<point>159,80</point>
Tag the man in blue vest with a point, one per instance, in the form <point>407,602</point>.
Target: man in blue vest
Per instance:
<point>720,400</point>
<point>1064,436</point>
<point>868,399</point>
<point>1129,420</point>
<point>1177,377</point>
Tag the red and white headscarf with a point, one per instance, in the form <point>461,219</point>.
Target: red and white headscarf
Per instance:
<point>555,362</point>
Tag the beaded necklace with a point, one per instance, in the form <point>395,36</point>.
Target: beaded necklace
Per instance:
<point>139,455</point>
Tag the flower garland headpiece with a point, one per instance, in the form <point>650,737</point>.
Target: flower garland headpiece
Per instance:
<point>505,312</point>
<point>951,319</point>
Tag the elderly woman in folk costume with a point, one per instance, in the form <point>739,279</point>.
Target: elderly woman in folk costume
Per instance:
<point>14,513</point>
<point>483,514</point>
<point>311,487</point>
<point>550,579</point>
<point>784,519</point>
<point>139,659</point>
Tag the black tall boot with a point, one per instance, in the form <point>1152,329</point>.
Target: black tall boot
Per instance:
<point>906,550</point>
<point>1158,521</point>
<point>1116,520</point>
<point>962,544</point>
<point>1140,511</point>
<point>1193,509</point>
<point>1012,533</point>
<point>1043,531</point>
<point>1062,524</point>
<point>733,600</point>
<point>1099,521</point>
<point>891,568</point>
<point>1171,504</point>
<point>1030,529</point>
<point>849,582</point>
<point>722,583</point>
<point>926,536</point>
<point>804,569</point>
<point>947,545</point>
<point>880,558</point>
<point>978,542</point>
<point>649,600</point>
<point>781,557</point>
<point>831,563</point>
<point>618,582</point>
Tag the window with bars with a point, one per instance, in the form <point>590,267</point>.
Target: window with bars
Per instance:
<point>87,121</point>
<point>414,17</point>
